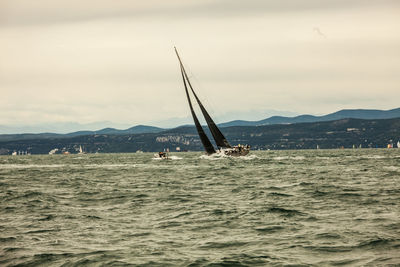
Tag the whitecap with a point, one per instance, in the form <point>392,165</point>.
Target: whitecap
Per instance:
<point>30,166</point>
<point>392,168</point>
<point>248,157</point>
<point>281,158</point>
<point>292,158</point>
<point>169,158</point>
<point>175,158</point>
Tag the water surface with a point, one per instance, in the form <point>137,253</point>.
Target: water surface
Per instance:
<point>315,207</point>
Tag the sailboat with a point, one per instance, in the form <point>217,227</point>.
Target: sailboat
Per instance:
<point>220,140</point>
<point>81,150</point>
<point>162,155</point>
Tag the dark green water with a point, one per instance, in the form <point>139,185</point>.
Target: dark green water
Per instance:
<point>275,208</point>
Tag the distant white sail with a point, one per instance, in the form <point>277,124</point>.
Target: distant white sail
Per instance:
<point>53,151</point>
<point>81,150</point>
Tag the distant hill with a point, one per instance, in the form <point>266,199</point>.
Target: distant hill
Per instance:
<point>366,114</point>
<point>139,129</point>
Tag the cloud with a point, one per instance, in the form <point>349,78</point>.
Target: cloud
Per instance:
<point>27,12</point>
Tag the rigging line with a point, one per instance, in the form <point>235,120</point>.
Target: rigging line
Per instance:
<point>183,70</point>
<point>191,87</point>
<point>203,97</point>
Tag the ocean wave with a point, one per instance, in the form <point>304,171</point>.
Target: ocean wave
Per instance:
<point>350,195</point>
<point>327,235</point>
<point>279,194</point>
<point>47,218</point>
<point>7,239</point>
<point>345,262</point>
<point>380,243</point>
<point>285,212</point>
<point>373,157</point>
<point>270,229</point>
<point>223,244</point>
<point>226,263</point>
<point>32,166</point>
<point>289,158</point>
<point>40,231</point>
<point>318,193</point>
<point>275,188</point>
<point>71,259</point>
<point>392,168</point>
<point>331,249</point>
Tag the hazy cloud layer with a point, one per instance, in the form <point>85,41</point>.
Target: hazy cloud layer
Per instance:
<point>90,61</point>
<point>50,11</point>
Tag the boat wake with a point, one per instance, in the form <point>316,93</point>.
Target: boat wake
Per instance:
<point>215,156</point>
<point>219,156</point>
<point>248,157</point>
<point>169,158</point>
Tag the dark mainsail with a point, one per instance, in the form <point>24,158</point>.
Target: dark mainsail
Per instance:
<point>203,137</point>
<point>219,138</point>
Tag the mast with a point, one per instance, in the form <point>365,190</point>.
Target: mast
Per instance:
<point>203,137</point>
<point>219,138</point>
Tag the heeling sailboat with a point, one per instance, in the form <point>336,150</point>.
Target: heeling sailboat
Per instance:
<point>220,140</point>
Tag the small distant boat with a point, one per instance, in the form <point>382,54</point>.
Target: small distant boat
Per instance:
<point>53,151</point>
<point>223,145</point>
<point>162,155</point>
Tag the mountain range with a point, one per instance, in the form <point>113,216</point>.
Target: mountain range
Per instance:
<point>368,114</point>
<point>139,129</point>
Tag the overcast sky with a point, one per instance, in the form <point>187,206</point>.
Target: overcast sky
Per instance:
<point>97,60</point>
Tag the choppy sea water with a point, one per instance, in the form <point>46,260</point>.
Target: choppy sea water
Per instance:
<point>272,208</point>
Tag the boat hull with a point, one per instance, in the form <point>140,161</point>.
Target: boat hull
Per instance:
<point>236,151</point>
<point>161,155</point>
